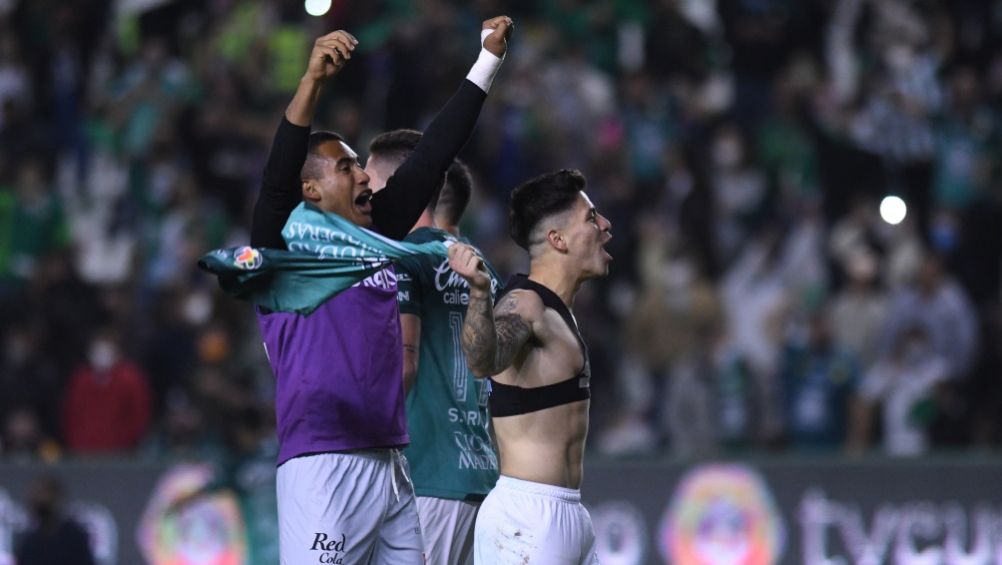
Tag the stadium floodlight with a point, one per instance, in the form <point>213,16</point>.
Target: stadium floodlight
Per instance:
<point>893,210</point>
<point>317,7</point>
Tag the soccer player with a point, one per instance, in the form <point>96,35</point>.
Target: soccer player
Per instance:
<point>540,393</point>
<point>343,491</point>
<point>451,458</point>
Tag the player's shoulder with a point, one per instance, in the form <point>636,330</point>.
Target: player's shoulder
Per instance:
<point>522,302</point>
<point>414,266</point>
<point>424,235</point>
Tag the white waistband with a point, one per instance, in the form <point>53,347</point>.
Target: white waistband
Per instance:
<point>530,487</point>
<point>383,454</point>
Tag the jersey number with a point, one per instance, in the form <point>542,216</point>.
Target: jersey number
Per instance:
<point>458,360</point>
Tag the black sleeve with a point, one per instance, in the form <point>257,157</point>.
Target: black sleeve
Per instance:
<point>281,189</point>
<point>397,207</point>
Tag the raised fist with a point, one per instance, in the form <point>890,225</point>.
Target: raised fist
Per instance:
<point>466,262</point>
<point>495,42</point>
<point>329,54</point>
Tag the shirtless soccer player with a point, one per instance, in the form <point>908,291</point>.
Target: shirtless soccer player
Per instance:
<point>540,393</point>
<point>343,490</point>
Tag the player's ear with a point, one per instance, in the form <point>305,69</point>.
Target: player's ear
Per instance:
<point>557,240</point>
<point>311,191</point>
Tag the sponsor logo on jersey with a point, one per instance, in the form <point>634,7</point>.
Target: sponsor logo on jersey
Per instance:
<point>475,452</point>
<point>247,258</point>
<point>446,278</point>
<point>454,288</point>
<point>331,550</point>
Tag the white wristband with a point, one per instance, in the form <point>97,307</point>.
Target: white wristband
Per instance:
<point>487,65</point>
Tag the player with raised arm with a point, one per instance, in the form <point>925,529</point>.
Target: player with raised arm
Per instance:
<point>343,490</point>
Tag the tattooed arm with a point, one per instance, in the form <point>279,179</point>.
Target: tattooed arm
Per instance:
<point>492,337</point>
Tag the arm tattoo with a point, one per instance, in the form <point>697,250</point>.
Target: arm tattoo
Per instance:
<point>512,333</point>
<point>507,305</point>
<point>490,344</point>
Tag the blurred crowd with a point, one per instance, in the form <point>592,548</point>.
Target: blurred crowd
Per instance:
<point>758,299</point>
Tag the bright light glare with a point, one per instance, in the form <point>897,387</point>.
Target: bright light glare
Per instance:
<point>317,7</point>
<point>893,210</point>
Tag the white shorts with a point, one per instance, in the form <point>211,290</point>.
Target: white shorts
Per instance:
<point>353,507</point>
<point>526,522</point>
<point>447,527</point>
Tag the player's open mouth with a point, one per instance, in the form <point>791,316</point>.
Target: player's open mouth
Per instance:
<point>604,250</point>
<point>363,202</point>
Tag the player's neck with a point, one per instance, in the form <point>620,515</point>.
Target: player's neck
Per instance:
<point>443,224</point>
<point>427,220</point>
<point>553,276</point>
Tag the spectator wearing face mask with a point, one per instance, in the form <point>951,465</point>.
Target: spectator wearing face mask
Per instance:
<point>107,404</point>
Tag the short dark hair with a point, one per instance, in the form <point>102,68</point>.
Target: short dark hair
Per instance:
<point>540,198</point>
<point>456,193</point>
<point>311,167</point>
<point>396,146</point>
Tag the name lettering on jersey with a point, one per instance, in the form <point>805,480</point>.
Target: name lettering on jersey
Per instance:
<point>332,550</point>
<point>471,417</point>
<point>385,279</point>
<point>474,452</point>
<point>361,256</point>
<point>301,230</point>
<point>326,243</point>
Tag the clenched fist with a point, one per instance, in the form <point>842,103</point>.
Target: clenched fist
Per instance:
<point>496,42</point>
<point>329,54</point>
<point>466,262</point>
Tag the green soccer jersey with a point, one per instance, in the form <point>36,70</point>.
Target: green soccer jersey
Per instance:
<point>450,453</point>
